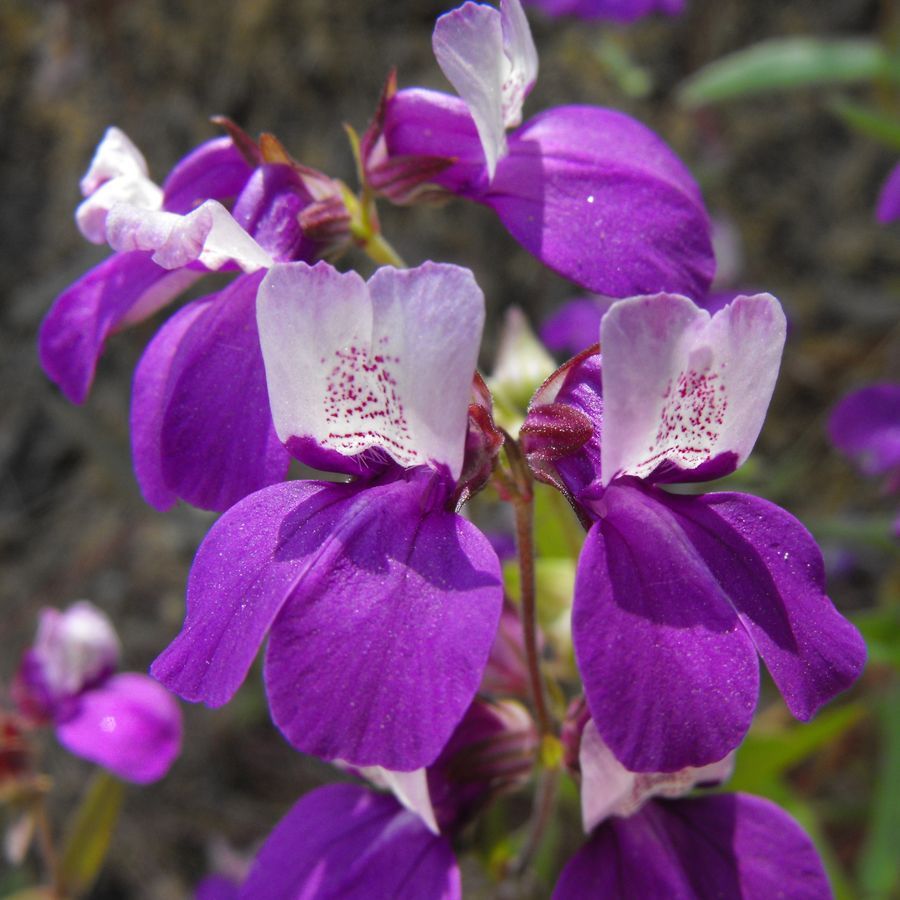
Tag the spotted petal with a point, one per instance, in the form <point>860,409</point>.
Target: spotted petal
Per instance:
<point>385,366</point>
<point>685,394</point>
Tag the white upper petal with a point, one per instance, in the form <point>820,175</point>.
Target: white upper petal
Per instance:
<point>683,387</point>
<point>490,58</point>
<point>609,789</point>
<point>208,234</point>
<point>116,156</point>
<point>386,365</point>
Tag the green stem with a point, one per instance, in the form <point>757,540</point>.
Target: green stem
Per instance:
<point>381,252</point>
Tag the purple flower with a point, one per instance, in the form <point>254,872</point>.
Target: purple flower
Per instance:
<point>617,10</point>
<point>191,439</point>
<point>675,594</point>
<point>725,845</point>
<point>126,723</point>
<point>380,601</point>
<point>346,841</point>
<point>865,426</point>
<point>889,198</point>
<point>590,192</point>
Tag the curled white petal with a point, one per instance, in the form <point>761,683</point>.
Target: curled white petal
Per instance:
<point>410,789</point>
<point>116,156</point>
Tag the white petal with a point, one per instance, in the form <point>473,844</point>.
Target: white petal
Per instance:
<point>681,387</point>
<point>93,211</point>
<point>410,789</point>
<point>468,44</point>
<point>609,789</point>
<point>522,61</point>
<point>208,235</point>
<point>115,156</point>
<point>388,365</point>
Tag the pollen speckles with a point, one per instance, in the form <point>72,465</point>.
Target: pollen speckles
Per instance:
<point>363,406</point>
<point>691,421</point>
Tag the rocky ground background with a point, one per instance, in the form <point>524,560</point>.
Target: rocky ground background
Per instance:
<point>796,185</point>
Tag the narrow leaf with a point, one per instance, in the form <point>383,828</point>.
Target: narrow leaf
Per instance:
<point>871,123</point>
<point>783,64</point>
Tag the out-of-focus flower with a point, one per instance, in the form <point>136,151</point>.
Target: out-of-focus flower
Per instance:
<point>616,10</point>
<point>889,199</point>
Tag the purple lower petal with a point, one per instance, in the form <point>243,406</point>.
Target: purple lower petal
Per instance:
<point>388,606</point>
<point>200,419</point>
<point>125,288</point>
<point>382,647</point>
<point>772,572</point>
<point>130,725</point>
<point>342,842</point>
<point>670,674</point>
<point>728,845</point>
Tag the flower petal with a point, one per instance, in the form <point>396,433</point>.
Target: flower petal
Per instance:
<point>200,421</point>
<point>601,200</point>
<point>387,367</point>
<point>342,842</point>
<point>772,572</point>
<point>889,198</point>
<point>685,394</point>
<point>615,10</point>
<point>866,426</point>
<point>521,54</point>
<point>215,170</point>
<point>468,45</point>
<point>130,725</point>
<point>123,289</point>
<point>383,644</point>
<point>116,156</point>
<point>726,845</point>
<point>670,675</point>
<point>208,235</point>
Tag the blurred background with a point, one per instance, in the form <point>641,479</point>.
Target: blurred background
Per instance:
<point>793,185</point>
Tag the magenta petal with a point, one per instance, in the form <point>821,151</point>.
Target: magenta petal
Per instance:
<point>215,170</point>
<point>706,848</point>
<point>123,289</point>
<point>603,201</point>
<point>130,725</point>
<point>200,420</point>
<point>616,10</point>
<point>866,426</point>
<point>889,198</point>
<point>343,842</point>
<point>771,571</point>
<point>670,675</point>
<point>382,647</point>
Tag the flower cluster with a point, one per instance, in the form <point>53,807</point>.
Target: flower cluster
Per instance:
<point>393,649</point>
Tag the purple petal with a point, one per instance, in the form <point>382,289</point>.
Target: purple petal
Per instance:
<point>681,389</point>
<point>670,675</point>
<point>389,610</point>
<point>200,420</point>
<point>616,10</point>
<point>706,848</point>
<point>385,366</point>
<point>343,842</point>
<point>130,725</point>
<point>889,198</point>
<point>575,326</point>
<point>122,290</point>
<point>601,200</point>
<point>215,170</point>
<point>217,887</point>
<point>772,572</point>
<point>866,426</point>
<point>268,209</point>
<point>379,653</point>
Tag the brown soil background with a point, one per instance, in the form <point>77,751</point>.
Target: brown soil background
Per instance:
<point>798,186</point>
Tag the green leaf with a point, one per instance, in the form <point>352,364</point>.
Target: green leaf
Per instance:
<point>766,755</point>
<point>783,64</point>
<point>880,865</point>
<point>871,123</point>
<point>90,832</point>
<point>881,630</point>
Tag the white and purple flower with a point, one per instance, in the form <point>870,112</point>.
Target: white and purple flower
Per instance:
<point>381,603</point>
<point>590,192</point>
<point>125,722</point>
<point>676,595</point>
